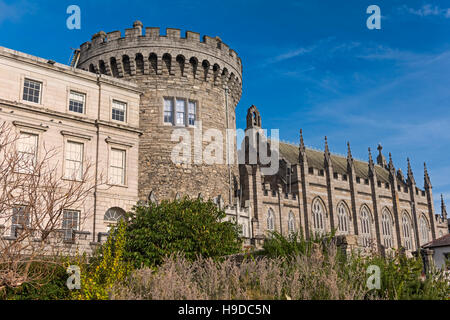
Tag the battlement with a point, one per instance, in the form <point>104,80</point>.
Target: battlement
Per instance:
<point>145,52</point>
<point>154,39</point>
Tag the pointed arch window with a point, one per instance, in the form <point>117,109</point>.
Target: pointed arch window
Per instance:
<point>270,220</point>
<point>424,229</point>
<point>407,232</point>
<point>386,228</point>
<point>291,223</point>
<point>318,216</point>
<point>343,219</point>
<point>365,227</point>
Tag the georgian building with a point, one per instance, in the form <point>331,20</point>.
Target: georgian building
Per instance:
<point>85,118</point>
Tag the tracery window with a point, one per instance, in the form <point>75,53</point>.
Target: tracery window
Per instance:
<point>318,216</point>
<point>365,227</point>
<point>386,228</point>
<point>343,219</point>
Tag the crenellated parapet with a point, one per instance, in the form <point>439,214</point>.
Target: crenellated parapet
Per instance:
<point>145,52</point>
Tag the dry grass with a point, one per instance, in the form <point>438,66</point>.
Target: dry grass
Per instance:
<point>302,277</point>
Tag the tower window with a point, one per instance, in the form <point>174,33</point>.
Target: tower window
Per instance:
<point>192,113</point>
<point>181,112</point>
<point>168,110</point>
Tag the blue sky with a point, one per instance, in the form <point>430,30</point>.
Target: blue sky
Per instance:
<point>307,64</point>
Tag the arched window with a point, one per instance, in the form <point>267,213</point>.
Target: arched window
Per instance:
<point>113,215</point>
<point>365,227</point>
<point>318,216</point>
<point>291,223</point>
<point>126,65</point>
<point>114,68</point>
<point>343,219</point>
<point>139,63</point>
<point>424,229</point>
<point>167,62</point>
<point>153,60</point>
<point>270,222</point>
<point>407,232</point>
<point>386,228</point>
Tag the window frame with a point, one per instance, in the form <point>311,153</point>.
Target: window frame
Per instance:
<point>407,231</point>
<point>387,231</point>
<point>366,226</point>
<point>270,220</point>
<point>125,114</point>
<point>66,143</point>
<point>124,168</point>
<point>174,111</point>
<point>343,216</point>
<point>318,216</point>
<point>22,91</point>
<point>36,151</point>
<point>71,230</point>
<point>14,226</point>
<point>79,92</point>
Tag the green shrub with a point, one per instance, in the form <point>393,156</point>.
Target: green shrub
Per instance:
<point>190,226</point>
<point>402,278</point>
<point>50,286</point>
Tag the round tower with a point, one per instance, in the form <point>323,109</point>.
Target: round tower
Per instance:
<point>183,79</point>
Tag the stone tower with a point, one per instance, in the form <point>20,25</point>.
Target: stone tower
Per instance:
<point>170,69</point>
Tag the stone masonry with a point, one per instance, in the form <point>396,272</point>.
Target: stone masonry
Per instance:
<point>172,66</point>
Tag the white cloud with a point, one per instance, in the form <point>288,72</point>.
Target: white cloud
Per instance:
<point>428,10</point>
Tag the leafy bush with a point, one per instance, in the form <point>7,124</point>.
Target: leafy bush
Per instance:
<point>190,226</point>
<point>402,278</point>
<point>50,286</point>
<point>106,268</point>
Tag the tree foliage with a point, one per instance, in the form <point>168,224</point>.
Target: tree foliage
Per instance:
<point>193,227</point>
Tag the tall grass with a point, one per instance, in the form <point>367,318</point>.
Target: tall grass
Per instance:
<point>287,268</point>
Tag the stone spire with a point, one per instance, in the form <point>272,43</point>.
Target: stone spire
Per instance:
<point>349,153</point>
<point>443,208</point>
<point>302,143</point>
<point>426,177</point>
<point>371,164</point>
<point>327,152</point>
<point>400,175</point>
<point>410,174</point>
<point>391,165</point>
<point>381,160</point>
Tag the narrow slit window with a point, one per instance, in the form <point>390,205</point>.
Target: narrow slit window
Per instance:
<point>181,112</point>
